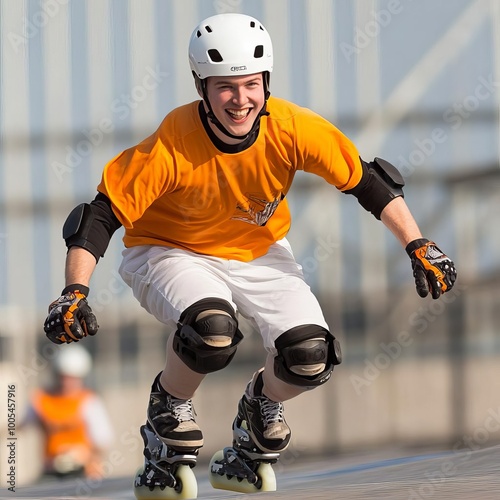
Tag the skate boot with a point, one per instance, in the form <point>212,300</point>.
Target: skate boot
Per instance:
<point>172,419</point>
<point>265,422</point>
<point>171,442</point>
<point>167,472</point>
<point>260,434</point>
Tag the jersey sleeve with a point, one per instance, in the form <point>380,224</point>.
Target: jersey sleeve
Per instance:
<point>135,178</point>
<point>322,149</point>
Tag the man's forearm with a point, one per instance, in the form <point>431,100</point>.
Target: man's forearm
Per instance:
<point>399,220</point>
<point>80,265</point>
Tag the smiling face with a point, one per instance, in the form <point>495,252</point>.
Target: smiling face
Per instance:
<point>236,102</point>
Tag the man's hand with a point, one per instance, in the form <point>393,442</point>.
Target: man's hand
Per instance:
<point>70,317</point>
<point>432,269</point>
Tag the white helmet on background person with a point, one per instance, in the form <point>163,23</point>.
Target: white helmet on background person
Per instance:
<point>73,360</point>
<point>230,44</point>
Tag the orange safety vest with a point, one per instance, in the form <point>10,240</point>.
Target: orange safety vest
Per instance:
<point>63,424</point>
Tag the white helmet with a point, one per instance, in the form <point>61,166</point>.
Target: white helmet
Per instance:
<point>230,44</point>
<point>74,361</point>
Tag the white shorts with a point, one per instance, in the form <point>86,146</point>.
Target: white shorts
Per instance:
<point>269,290</point>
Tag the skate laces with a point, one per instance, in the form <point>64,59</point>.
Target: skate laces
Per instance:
<point>183,409</point>
<point>271,411</point>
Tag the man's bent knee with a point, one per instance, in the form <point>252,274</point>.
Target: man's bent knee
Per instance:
<point>306,355</point>
<point>207,335</point>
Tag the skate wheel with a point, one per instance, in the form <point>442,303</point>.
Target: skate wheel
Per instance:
<point>264,471</point>
<point>188,487</point>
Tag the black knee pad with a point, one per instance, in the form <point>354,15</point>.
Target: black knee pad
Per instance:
<point>306,355</point>
<point>189,341</point>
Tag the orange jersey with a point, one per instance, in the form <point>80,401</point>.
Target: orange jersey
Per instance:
<point>177,189</point>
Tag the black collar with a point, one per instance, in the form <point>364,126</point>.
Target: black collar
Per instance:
<point>221,145</point>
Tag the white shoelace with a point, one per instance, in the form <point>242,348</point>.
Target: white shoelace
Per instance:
<point>183,409</point>
<point>271,411</point>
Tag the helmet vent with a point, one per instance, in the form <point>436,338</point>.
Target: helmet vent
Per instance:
<point>214,55</point>
<point>259,51</point>
<point>198,34</point>
<point>208,28</point>
<point>252,24</point>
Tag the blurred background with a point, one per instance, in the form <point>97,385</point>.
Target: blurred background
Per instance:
<point>416,83</point>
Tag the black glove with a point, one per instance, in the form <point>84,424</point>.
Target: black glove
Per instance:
<point>70,317</point>
<point>432,269</point>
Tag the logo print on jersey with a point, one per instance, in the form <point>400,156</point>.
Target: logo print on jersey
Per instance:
<point>258,210</point>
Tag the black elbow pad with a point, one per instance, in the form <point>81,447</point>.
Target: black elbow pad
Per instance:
<point>380,183</point>
<point>91,226</point>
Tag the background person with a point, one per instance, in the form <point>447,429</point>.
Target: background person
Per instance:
<point>74,421</point>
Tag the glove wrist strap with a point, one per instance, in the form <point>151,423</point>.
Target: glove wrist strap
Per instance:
<point>76,287</point>
<point>413,245</point>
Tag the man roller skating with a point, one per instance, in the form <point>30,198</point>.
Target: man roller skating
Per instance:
<point>203,203</point>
